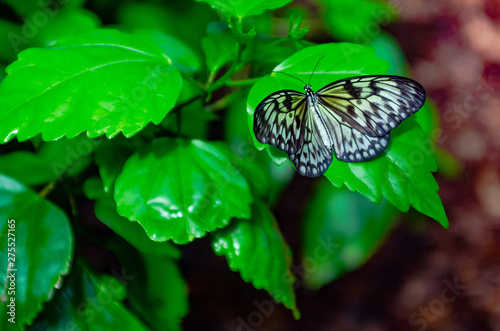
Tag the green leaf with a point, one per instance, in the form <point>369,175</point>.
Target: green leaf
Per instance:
<point>257,180</point>
<point>357,21</point>
<point>181,189</point>
<point>243,35</point>
<point>2,73</point>
<point>110,315</point>
<point>168,17</point>
<point>110,157</point>
<point>238,8</point>
<point>195,119</point>
<point>69,157</point>
<point>219,47</point>
<point>61,311</point>
<point>295,32</point>
<point>37,235</point>
<point>27,167</point>
<point>23,7</point>
<point>9,34</point>
<point>160,294</point>
<point>66,22</point>
<point>256,249</point>
<point>29,8</point>
<point>54,161</point>
<point>402,173</point>
<point>342,229</point>
<point>105,211</point>
<point>448,165</point>
<point>90,302</point>
<point>387,48</point>
<point>268,53</point>
<point>44,23</point>
<point>181,55</point>
<point>101,81</point>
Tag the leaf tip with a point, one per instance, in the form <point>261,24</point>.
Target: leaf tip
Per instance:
<point>296,314</point>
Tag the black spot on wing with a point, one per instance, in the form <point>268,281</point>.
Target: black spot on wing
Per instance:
<point>353,90</point>
<point>351,112</point>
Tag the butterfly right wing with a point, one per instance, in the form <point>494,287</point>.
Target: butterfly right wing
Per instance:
<point>349,144</point>
<point>313,158</point>
<point>373,105</point>
<point>279,120</point>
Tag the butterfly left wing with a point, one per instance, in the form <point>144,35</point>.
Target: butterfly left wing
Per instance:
<point>373,105</point>
<point>279,120</point>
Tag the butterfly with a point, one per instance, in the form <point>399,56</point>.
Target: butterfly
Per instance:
<point>351,116</point>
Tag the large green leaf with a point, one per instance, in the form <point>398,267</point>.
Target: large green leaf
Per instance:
<point>256,249</point>
<point>100,81</point>
<point>342,229</point>
<point>90,302</point>
<point>42,240</point>
<point>181,189</point>
<point>402,173</point>
<point>241,8</point>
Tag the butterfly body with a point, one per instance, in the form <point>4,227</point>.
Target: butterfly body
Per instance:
<point>323,130</point>
<point>352,117</point>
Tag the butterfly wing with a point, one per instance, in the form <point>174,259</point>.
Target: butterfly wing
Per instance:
<point>349,144</point>
<point>355,117</point>
<point>314,157</point>
<point>373,105</point>
<point>279,120</point>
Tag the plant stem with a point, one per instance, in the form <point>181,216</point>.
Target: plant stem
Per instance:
<point>46,190</point>
<point>222,80</point>
<point>197,83</point>
<point>243,82</point>
<point>220,104</point>
<point>178,109</point>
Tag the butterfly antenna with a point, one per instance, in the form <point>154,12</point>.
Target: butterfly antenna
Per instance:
<point>309,82</point>
<point>284,73</point>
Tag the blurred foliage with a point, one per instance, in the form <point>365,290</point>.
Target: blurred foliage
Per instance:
<point>341,230</point>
